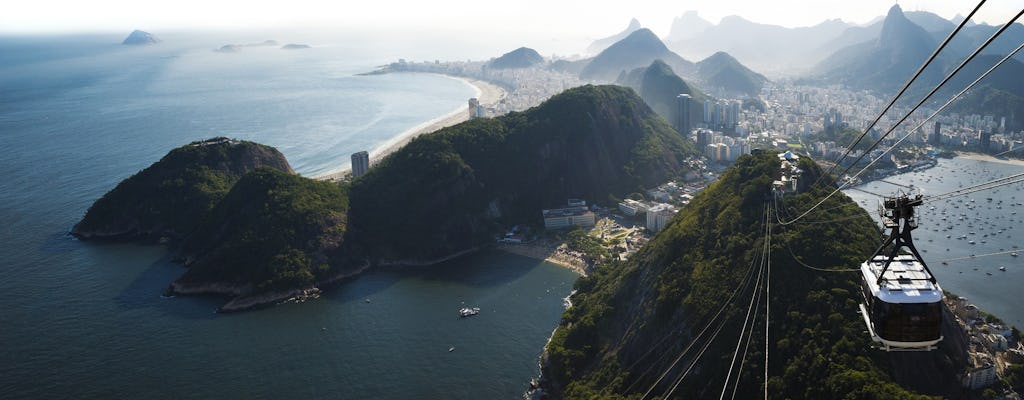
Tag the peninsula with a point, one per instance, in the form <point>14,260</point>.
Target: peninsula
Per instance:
<point>247,227</point>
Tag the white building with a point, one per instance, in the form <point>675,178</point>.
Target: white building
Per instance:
<point>659,216</point>
<point>632,207</point>
<point>576,214</point>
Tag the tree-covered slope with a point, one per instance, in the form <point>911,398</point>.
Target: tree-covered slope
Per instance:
<point>168,198</point>
<point>273,231</point>
<point>658,85</point>
<point>630,320</point>
<point>450,191</point>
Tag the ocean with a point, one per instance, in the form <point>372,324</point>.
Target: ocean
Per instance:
<point>992,219</point>
<point>78,114</point>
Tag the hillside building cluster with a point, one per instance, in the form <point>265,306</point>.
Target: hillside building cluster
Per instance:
<point>991,346</point>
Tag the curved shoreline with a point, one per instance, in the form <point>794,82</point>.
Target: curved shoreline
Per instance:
<point>487,93</point>
<point>988,158</point>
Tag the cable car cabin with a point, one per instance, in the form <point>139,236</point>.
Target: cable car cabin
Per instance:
<point>904,307</point>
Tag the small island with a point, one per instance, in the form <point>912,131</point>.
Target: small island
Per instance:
<point>140,38</point>
<point>295,46</point>
<point>229,48</point>
<point>242,222</point>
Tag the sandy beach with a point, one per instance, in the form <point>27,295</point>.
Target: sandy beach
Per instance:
<point>989,158</point>
<point>541,252</point>
<point>488,94</point>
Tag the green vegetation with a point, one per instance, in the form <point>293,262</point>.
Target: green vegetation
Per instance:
<point>239,216</point>
<point>454,189</point>
<point>579,240</point>
<point>612,341</point>
<point>658,85</point>
<point>842,137</point>
<point>170,197</point>
<point>273,231</point>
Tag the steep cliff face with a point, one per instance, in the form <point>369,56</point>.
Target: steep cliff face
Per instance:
<point>168,198</point>
<point>452,190</point>
<point>631,320</point>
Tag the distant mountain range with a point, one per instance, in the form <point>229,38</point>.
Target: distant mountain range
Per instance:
<point>883,64</point>
<point>766,47</point>
<point>639,49</point>
<point>780,51</point>
<point>721,72</point>
<point>901,46</point>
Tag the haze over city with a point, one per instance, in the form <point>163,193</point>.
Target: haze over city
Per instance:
<point>592,19</point>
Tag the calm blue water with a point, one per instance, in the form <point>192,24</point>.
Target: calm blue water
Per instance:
<point>994,226</point>
<point>86,320</point>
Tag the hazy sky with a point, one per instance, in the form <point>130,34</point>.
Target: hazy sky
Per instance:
<point>588,18</point>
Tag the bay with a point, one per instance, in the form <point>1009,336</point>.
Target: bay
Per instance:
<point>87,320</point>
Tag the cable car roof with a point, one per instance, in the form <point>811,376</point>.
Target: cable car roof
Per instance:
<point>906,281</point>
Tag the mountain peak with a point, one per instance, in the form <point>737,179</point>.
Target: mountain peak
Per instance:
<point>522,57</point>
<point>724,72</point>
<point>721,56</point>
<point>687,26</point>
<point>600,44</point>
<point>638,49</point>
<point>897,28</point>
<point>642,35</point>
<point>895,10</point>
<point>138,37</point>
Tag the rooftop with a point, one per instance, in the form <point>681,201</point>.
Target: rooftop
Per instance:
<point>906,280</point>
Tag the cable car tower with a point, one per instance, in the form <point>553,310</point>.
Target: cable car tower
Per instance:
<point>903,301</point>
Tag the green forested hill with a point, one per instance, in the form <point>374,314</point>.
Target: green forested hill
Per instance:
<point>658,85</point>
<point>631,319</point>
<point>170,197</point>
<point>452,190</point>
<point>273,231</point>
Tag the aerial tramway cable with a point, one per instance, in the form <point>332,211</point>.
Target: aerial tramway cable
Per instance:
<point>764,255</point>
<point>767,308</point>
<point>904,89</point>
<point>1007,180</point>
<point>998,253</point>
<point>745,282</point>
<point>747,319</point>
